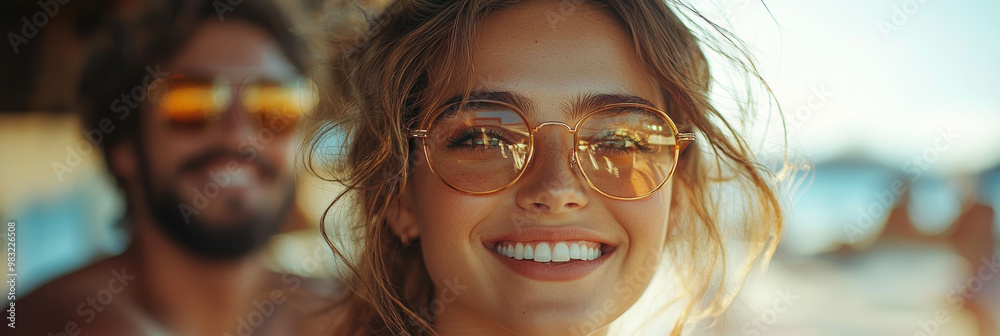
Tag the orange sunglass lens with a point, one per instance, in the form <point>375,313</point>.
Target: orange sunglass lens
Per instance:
<point>192,103</point>
<point>189,102</point>
<point>279,105</point>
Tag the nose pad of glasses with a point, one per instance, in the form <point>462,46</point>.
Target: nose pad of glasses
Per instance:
<point>572,156</point>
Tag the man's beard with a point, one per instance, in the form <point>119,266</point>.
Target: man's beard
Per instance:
<point>232,239</point>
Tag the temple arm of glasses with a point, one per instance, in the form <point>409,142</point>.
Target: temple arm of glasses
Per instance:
<point>418,134</point>
<point>683,140</point>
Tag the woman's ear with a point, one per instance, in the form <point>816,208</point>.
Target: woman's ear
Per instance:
<point>402,218</point>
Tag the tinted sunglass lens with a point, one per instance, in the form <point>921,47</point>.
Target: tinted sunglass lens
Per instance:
<point>280,106</point>
<point>478,147</point>
<point>627,152</point>
<point>189,103</point>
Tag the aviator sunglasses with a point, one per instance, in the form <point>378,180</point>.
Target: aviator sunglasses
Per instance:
<point>193,102</point>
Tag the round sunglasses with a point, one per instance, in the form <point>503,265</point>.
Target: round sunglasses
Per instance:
<point>625,151</point>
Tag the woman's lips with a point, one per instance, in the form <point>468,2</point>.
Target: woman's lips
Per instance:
<point>550,251</point>
<point>552,261</point>
<point>550,234</point>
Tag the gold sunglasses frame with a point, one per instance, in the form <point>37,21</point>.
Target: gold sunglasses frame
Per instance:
<point>681,141</point>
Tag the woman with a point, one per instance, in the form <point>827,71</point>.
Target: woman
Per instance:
<point>519,168</point>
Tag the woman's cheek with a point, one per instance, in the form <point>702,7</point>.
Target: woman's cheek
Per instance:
<point>646,222</point>
<point>446,219</point>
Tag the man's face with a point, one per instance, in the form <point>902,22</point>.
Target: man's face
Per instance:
<point>220,188</point>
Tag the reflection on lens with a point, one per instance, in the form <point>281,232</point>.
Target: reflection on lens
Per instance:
<point>192,101</point>
<point>482,147</point>
<point>626,152</point>
<point>280,105</point>
<point>479,147</point>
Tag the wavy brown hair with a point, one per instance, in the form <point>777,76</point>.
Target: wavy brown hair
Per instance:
<point>381,84</point>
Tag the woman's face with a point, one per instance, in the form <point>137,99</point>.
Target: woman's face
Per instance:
<point>552,57</point>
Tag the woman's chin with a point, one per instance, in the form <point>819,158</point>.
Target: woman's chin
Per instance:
<point>567,316</point>
<point>559,323</point>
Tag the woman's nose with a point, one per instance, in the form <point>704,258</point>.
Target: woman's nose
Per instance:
<point>551,184</point>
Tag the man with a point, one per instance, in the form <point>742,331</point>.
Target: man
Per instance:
<point>196,108</point>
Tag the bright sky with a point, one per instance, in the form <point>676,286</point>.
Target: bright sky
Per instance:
<point>888,96</point>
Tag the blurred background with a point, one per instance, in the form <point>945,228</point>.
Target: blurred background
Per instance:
<point>891,110</point>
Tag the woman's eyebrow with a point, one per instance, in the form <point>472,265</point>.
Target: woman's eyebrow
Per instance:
<point>583,104</point>
<point>507,97</point>
<point>594,101</point>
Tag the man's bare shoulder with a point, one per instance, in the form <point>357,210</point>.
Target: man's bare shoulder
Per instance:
<point>306,302</point>
<point>79,303</point>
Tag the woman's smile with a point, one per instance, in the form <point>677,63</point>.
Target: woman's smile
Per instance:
<point>551,253</point>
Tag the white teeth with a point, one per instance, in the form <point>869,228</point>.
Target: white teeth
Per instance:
<point>243,177</point>
<point>560,252</point>
<point>543,253</point>
<point>574,251</point>
<point>550,251</point>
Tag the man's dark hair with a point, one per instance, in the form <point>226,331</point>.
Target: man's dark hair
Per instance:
<point>127,52</point>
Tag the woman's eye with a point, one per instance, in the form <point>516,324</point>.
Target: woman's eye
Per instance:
<point>618,143</point>
<point>482,140</point>
<point>620,140</point>
<point>488,138</point>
